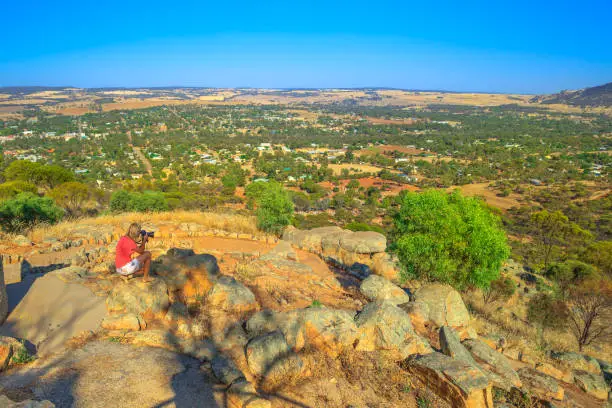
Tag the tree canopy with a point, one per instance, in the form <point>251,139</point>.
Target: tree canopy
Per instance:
<point>449,238</point>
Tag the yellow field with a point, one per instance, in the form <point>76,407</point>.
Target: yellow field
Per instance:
<point>490,196</point>
<point>128,99</point>
<point>355,168</point>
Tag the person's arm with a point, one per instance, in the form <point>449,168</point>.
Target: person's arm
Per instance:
<point>140,249</point>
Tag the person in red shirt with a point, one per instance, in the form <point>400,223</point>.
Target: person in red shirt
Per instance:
<point>131,257</point>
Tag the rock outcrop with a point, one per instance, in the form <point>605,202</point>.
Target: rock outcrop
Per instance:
<point>377,288</point>
<point>458,383</point>
<point>344,247</point>
<point>592,384</point>
<point>229,295</point>
<point>446,308</point>
<point>385,327</point>
<point>5,402</point>
<point>494,362</point>
<point>541,385</point>
<point>123,322</point>
<point>3,295</point>
<point>140,298</point>
<point>52,312</point>
<point>271,360</point>
<point>576,361</point>
<point>242,394</point>
<point>187,275</point>
<point>327,330</point>
<point>108,374</point>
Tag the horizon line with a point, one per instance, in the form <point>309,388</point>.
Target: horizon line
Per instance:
<point>375,88</point>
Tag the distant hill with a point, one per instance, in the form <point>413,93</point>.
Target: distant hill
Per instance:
<point>25,90</point>
<point>595,96</point>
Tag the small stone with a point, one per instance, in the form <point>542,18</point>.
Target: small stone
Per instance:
<point>225,370</point>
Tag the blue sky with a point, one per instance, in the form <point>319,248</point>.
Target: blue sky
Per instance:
<point>519,46</point>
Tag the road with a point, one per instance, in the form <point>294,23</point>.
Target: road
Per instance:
<point>141,156</point>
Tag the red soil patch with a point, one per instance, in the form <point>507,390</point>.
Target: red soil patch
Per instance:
<point>387,187</point>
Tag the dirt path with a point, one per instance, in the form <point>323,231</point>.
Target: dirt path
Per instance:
<point>138,152</point>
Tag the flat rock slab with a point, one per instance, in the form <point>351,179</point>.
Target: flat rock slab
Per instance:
<point>592,384</point>
<point>493,361</point>
<point>106,374</point>
<point>53,311</point>
<point>459,383</point>
<point>540,384</point>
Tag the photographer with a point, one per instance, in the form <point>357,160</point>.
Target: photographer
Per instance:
<point>131,256</point>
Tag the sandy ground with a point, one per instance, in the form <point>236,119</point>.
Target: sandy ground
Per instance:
<point>51,312</point>
<point>105,374</point>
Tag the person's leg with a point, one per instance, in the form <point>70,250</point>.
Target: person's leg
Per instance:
<point>145,261</point>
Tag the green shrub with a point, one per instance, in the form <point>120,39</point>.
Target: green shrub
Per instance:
<point>122,201</point>
<point>500,289</point>
<point>361,226</point>
<point>449,238</point>
<point>148,201</point>
<point>26,210</point>
<point>22,355</point>
<point>71,195</point>
<point>274,209</point>
<point>570,270</point>
<point>47,176</point>
<point>10,189</point>
<point>312,221</point>
<point>546,312</point>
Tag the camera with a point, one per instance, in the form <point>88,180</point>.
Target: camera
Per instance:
<point>150,234</point>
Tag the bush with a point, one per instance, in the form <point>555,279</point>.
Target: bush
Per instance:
<point>500,289</point>
<point>568,273</point>
<point>70,195</point>
<point>47,176</point>
<point>360,226</point>
<point>449,238</point>
<point>122,201</point>
<point>11,188</point>
<point>312,221</point>
<point>600,255</point>
<point>274,208</point>
<point>571,270</point>
<point>27,210</point>
<point>148,201</point>
<point>546,312</point>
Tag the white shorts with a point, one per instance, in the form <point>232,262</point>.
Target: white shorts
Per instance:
<point>129,268</point>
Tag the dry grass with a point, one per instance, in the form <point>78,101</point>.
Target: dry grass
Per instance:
<point>209,220</point>
<point>490,196</point>
<point>508,319</point>
<point>356,168</point>
<point>246,271</point>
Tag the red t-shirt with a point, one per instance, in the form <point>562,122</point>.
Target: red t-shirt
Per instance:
<point>123,251</point>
